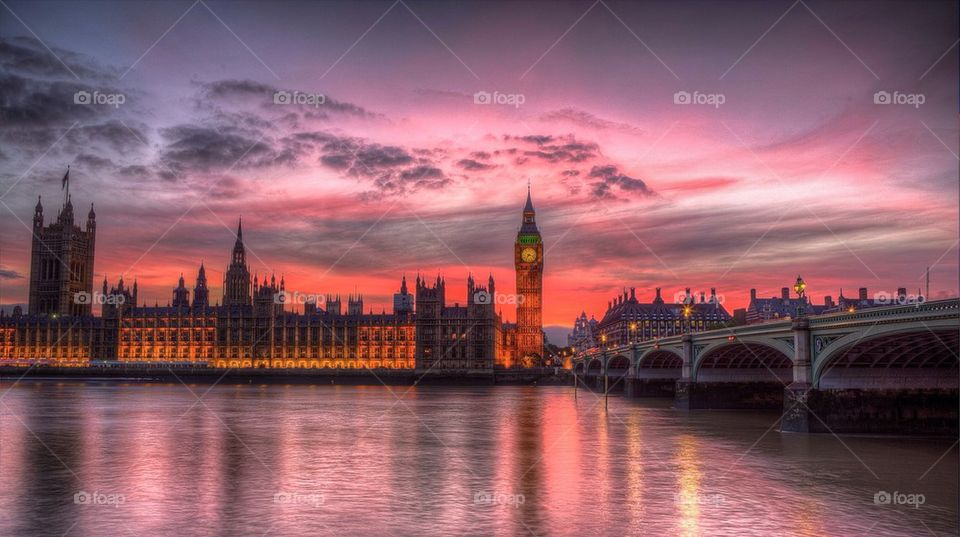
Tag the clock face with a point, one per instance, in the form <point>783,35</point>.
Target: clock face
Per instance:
<point>528,255</point>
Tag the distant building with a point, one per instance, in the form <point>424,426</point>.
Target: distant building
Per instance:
<point>864,301</point>
<point>628,320</point>
<point>584,335</point>
<point>782,307</point>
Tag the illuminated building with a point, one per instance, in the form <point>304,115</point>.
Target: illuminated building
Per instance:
<point>528,262</point>
<point>628,320</point>
<point>251,327</point>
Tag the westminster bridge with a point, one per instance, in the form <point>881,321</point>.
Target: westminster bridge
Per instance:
<point>884,369</point>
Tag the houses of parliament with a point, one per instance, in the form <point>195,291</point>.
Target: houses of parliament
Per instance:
<point>251,326</point>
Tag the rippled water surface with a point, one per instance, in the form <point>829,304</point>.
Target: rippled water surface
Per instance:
<point>88,458</point>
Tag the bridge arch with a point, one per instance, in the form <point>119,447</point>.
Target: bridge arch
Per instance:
<point>594,366</point>
<point>660,358</point>
<point>578,367</point>
<point>662,363</point>
<point>619,363</point>
<point>745,360</point>
<point>891,357</point>
<point>617,372</point>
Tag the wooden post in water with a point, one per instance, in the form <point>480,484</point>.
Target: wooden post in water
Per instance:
<point>606,387</point>
<point>575,382</point>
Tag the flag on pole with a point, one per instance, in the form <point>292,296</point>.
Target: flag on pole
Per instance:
<point>66,179</point>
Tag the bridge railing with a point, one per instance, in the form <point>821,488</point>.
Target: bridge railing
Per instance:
<point>932,307</point>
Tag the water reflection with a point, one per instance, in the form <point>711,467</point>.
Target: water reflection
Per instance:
<point>327,460</point>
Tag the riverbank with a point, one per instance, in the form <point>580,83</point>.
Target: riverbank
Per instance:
<point>374,377</point>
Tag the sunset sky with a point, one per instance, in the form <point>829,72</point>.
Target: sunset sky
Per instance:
<point>798,171</point>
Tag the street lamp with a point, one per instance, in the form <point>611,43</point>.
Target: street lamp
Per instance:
<point>687,311</point>
<point>800,287</point>
<point>633,331</point>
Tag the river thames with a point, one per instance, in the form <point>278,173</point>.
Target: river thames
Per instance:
<point>95,458</point>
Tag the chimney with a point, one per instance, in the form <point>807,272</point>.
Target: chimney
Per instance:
<point>828,301</point>
<point>687,297</point>
<point>902,295</point>
<point>785,293</point>
<point>633,293</point>
<point>863,293</point>
<point>753,294</point>
<point>702,297</point>
<point>658,299</point>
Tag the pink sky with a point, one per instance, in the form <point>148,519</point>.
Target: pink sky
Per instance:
<point>798,171</point>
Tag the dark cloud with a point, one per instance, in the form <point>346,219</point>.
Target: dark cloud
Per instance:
<point>205,149</point>
<point>135,171</point>
<point>556,149</point>
<point>609,178</point>
<point>480,155</point>
<point>114,135</point>
<point>229,89</point>
<point>583,118</point>
<point>473,165</point>
<point>29,57</point>
<point>538,139</point>
<point>92,162</point>
<point>8,274</point>
<point>392,170</point>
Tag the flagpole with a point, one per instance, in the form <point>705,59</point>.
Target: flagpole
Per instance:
<point>66,181</point>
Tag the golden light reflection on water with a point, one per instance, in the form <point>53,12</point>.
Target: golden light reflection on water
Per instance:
<point>635,461</point>
<point>688,480</point>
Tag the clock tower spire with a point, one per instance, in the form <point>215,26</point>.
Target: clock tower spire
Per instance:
<point>528,261</point>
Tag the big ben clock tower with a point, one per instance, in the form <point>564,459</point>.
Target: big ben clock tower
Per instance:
<point>528,260</point>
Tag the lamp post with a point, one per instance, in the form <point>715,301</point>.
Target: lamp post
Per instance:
<point>633,331</point>
<point>687,311</point>
<point>800,287</point>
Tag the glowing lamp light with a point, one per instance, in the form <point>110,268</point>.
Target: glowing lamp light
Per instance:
<point>731,338</point>
<point>800,287</point>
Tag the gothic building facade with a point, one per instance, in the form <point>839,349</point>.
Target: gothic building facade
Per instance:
<point>61,263</point>
<point>251,326</point>
<point>528,262</point>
